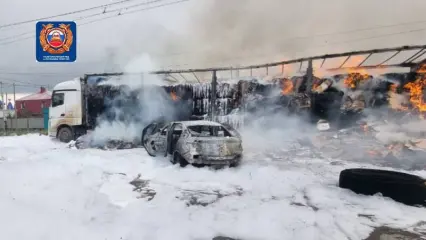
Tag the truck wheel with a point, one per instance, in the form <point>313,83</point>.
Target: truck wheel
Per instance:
<point>405,188</point>
<point>65,135</point>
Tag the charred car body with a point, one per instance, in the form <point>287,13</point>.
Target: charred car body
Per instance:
<point>194,142</point>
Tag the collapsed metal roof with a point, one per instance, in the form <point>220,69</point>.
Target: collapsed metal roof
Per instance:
<point>399,57</point>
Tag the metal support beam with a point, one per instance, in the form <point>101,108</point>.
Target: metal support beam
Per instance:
<point>408,63</point>
<point>345,61</point>
<point>196,77</point>
<point>414,59</point>
<point>323,61</point>
<point>373,67</point>
<point>282,69</point>
<point>389,58</point>
<point>267,71</point>
<point>418,66</point>
<point>309,76</point>
<point>365,59</point>
<point>413,56</point>
<point>299,60</point>
<point>184,78</point>
<point>213,97</point>
<point>173,77</point>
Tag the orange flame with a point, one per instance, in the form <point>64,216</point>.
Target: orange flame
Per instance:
<point>316,83</point>
<point>173,96</point>
<point>422,69</point>
<point>355,76</point>
<point>416,93</point>
<point>353,79</point>
<point>287,87</point>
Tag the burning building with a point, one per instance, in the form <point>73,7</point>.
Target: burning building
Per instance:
<point>339,98</point>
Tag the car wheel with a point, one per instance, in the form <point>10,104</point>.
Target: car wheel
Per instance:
<point>65,135</point>
<point>177,158</point>
<point>144,136</point>
<point>150,148</point>
<point>405,188</point>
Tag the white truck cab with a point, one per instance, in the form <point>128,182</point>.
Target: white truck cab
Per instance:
<point>66,110</point>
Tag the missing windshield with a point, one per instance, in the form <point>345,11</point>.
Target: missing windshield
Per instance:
<point>208,131</point>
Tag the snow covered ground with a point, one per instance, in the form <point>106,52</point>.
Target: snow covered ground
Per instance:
<point>49,191</point>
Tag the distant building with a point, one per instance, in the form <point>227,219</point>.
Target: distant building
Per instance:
<point>33,104</point>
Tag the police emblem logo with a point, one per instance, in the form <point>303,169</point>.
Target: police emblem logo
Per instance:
<point>56,42</point>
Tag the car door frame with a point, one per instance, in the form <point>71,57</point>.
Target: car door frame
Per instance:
<point>169,137</point>
<point>160,140</point>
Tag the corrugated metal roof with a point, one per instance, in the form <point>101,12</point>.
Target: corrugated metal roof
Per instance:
<point>37,96</point>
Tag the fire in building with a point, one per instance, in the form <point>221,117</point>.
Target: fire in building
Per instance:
<point>33,104</point>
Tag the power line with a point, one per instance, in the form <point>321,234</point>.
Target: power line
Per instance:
<point>65,14</point>
<point>17,35</point>
<point>129,12</point>
<point>134,11</point>
<point>11,80</point>
<point>6,85</point>
<point>88,16</point>
<point>51,74</point>
<point>119,9</point>
<point>100,19</point>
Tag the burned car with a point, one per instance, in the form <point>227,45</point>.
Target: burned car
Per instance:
<point>194,142</point>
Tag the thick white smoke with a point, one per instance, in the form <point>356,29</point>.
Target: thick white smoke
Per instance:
<point>241,32</point>
<point>152,102</point>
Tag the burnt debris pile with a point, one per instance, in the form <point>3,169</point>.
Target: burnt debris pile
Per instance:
<point>339,98</point>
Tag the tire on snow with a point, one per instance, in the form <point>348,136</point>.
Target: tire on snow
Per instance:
<point>65,135</point>
<point>405,188</point>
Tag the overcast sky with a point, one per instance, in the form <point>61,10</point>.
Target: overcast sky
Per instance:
<point>201,33</point>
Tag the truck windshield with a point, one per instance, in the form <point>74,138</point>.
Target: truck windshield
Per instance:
<point>208,131</point>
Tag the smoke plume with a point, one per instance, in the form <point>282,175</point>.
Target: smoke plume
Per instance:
<point>151,103</point>
<point>241,32</point>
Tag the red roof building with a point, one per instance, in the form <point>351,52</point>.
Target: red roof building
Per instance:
<point>33,104</point>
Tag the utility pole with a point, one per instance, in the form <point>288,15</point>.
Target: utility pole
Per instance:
<point>1,90</point>
<point>14,106</point>
<point>14,96</point>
